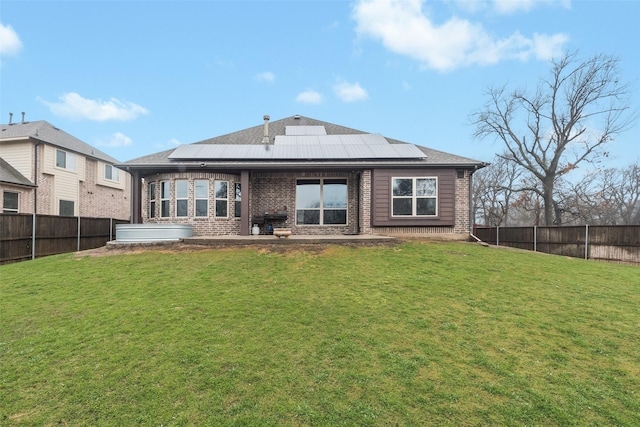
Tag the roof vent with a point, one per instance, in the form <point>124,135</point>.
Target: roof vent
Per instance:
<point>297,117</point>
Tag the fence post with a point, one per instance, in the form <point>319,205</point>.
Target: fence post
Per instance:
<point>498,235</point>
<point>33,236</point>
<point>535,238</point>
<point>586,241</point>
<point>78,233</point>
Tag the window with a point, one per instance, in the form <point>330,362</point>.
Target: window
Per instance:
<point>65,160</point>
<point>221,199</point>
<point>67,208</point>
<point>202,197</point>
<point>10,202</point>
<point>111,173</point>
<point>165,190</point>
<point>182,197</point>
<point>238,201</point>
<point>321,202</point>
<point>152,200</point>
<point>415,196</point>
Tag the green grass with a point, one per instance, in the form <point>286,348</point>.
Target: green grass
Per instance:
<point>419,334</point>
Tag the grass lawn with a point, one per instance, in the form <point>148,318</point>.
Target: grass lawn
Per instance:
<point>419,334</point>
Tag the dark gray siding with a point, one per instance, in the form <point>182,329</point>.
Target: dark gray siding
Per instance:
<point>381,197</point>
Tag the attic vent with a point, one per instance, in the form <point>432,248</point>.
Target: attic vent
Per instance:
<point>296,117</point>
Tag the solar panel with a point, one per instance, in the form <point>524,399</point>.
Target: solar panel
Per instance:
<point>303,147</point>
<point>305,130</point>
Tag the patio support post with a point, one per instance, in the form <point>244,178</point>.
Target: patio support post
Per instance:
<point>136,198</point>
<point>245,217</point>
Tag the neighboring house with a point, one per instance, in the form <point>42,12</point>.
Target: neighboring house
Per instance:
<point>46,170</point>
<point>311,176</point>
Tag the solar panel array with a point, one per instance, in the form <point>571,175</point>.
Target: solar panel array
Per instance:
<point>303,146</point>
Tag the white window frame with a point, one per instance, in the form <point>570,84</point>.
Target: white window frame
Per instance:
<point>321,208</point>
<point>114,172</point>
<point>69,160</point>
<point>414,197</point>
<point>152,199</point>
<point>200,198</point>
<point>216,199</point>
<point>165,198</point>
<point>182,198</point>
<point>10,210</point>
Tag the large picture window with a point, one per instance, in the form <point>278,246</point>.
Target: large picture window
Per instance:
<point>321,202</point>
<point>9,202</point>
<point>221,201</point>
<point>182,197</point>
<point>415,196</point>
<point>152,200</point>
<point>165,191</point>
<point>201,191</point>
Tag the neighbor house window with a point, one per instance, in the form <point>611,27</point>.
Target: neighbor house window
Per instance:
<point>182,197</point>
<point>415,196</point>
<point>111,173</point>
<point>201,197</point>
<point>9,202</point>
<point>221,199</point>
<point>65,160</point>
<point>67,208</point>
<point>152,200</point>
<point>321,202</point>
<point>165,191</point>
<point>238,201</point>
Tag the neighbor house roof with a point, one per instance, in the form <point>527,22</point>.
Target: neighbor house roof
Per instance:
<point>10,175</point>
<point>46,132</point>
<point>318,143</point>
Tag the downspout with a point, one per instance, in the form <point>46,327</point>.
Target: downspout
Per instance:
<point>35,200</point>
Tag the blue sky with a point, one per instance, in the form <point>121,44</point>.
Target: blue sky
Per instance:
<point>137,77</point>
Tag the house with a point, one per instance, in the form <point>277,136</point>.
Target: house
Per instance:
<point>308,175</point>
<point>47,171</point>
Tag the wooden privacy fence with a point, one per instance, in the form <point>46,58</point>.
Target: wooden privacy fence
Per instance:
<point>20,240</point>
<point>603,242</point>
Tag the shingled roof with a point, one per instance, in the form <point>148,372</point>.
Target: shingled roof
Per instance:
<point>10,175</point>
<point>46,132</point>
<point>254,136</point>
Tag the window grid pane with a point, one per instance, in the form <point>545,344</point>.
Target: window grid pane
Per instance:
<point>414,197</point>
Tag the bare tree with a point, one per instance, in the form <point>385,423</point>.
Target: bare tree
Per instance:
<point>492,192</point>
<point>568,120</point>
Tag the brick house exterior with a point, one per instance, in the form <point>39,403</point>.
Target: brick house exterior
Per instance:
<point>46,170</point>
<point>310,176</point>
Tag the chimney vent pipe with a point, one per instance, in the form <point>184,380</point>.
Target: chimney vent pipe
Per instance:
<point>10,118</point>
<point>23,117</point>
<point>265,138</point>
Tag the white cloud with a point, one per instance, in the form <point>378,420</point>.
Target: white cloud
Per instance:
<point>115,141</point>
<point>74,106</point>
<point>350,92</point>
<point>514,6</point>
<point>10,43</point>
<point>266,76</point>
<point>404,28</point>
<point>309,97</point>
